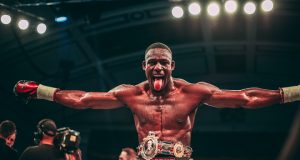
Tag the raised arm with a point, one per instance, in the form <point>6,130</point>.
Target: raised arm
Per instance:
<point>81,100</point>
<point>72,98</point>
<point>246,98</point>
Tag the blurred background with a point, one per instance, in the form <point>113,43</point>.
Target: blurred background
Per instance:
<point>101,43</point>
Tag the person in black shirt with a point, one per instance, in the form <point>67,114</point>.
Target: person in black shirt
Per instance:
<point>42,152</point>
<point>45,150</point>
<point>8,134</point>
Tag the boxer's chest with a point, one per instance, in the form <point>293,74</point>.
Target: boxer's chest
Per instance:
<point>174,108</point>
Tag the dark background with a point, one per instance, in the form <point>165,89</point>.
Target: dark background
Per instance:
<point>102,45</point>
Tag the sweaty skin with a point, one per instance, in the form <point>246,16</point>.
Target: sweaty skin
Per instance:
<point>165,104</point>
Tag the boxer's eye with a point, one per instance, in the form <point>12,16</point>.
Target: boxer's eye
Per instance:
<point>151,63</point>
<point>164,63</point>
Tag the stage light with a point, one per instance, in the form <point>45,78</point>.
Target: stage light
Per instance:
<point>267,5</point>
<point>213,9</point>
<point>230,6</point>
<point>23,24</point>
<point>249,8</point>
<point>41,28</point>
<point>194,8</point>
<point>5,19</point>
<point>177,12</point>
<point>61,19</point>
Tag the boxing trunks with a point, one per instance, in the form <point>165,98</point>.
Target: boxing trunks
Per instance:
<point>153,149</point>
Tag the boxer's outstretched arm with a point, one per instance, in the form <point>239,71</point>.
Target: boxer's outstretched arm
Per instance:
<point>82,100</point>
<point>252,97</point>
<point>247,98</point>
<point>95,100</point>
<point>28,90</point>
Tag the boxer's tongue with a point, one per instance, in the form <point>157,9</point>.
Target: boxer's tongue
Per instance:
<point>158,82</point>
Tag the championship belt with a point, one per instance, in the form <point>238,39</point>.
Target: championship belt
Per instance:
<point>149,147</point>
<point>178,150</point>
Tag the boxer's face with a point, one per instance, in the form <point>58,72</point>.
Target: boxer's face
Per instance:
<point>158,66</point>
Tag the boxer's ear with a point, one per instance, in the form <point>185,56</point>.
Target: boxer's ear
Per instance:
<point>144,65</point>
<point>173,65</point>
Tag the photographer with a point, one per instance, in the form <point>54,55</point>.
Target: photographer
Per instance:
<point>44,149</point>
<point>53,144</point>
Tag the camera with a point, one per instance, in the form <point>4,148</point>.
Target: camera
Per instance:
<point>67,140</point>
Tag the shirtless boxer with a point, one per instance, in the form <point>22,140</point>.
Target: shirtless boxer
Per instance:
<point>163,107</point>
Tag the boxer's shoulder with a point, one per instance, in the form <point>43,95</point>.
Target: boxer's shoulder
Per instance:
<point>178,82</point>
<point>199,87</point>
<point>126,89</point>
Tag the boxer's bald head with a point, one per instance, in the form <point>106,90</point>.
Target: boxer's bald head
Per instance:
<point>157,45</point>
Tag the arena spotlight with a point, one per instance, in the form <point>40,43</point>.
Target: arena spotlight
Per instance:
<point>5,19</point>
<point>61,19</point>
<point>194,8</point>
<point>41,28</point>
<point>177,12</point>
<point>213,9</point>
<point>230,6</point>
<point>267,5</point>
<point>249,8</point>
<point>23,24</point>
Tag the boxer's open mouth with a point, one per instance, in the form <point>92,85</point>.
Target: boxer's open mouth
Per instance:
<point>158,82</point>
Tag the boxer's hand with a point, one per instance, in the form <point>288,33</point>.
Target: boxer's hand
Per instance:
<point>26,90</point>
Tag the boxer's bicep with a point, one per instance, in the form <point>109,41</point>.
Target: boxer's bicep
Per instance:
<point>101,100</point>
<point>247,98</point>
<point>227,99</point>
<point>219,98</point>
<point>114,98</point>
<point>209,94</point>
<point>83,100</point>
